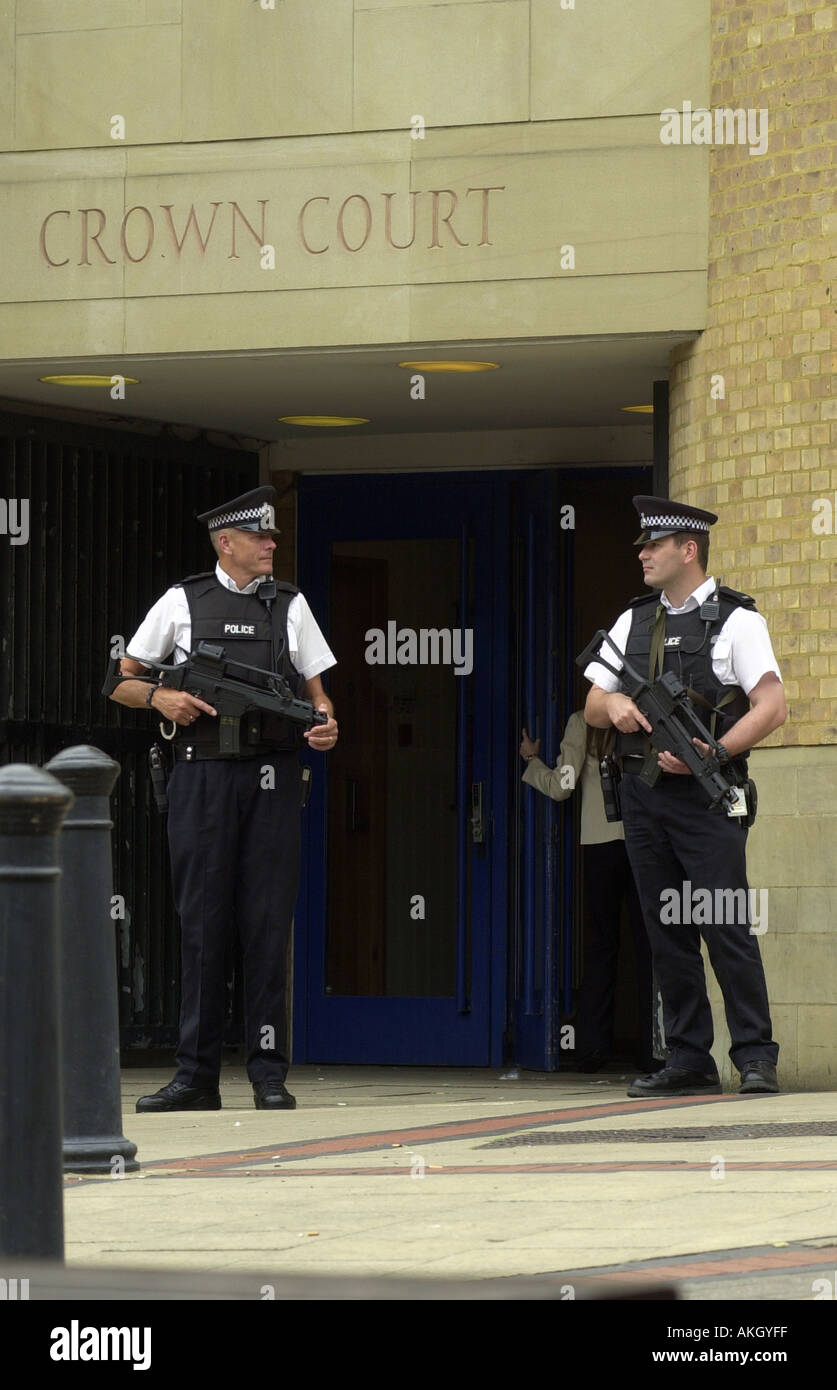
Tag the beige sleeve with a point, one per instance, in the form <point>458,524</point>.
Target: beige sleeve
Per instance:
<point>555,782</point>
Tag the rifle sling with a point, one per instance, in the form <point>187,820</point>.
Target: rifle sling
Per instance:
<point>714,709</point>
<point>658,637</point>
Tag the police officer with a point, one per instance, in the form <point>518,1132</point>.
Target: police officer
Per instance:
<point>233,822</point>
<point>716,643</point>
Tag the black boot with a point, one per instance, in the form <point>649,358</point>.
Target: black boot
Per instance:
<point>675,1081</point>
<point>178,1096</point>
<point>273,1095</point>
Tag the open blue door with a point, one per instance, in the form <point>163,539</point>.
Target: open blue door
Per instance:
<point>543,855</point>
<point>400,926</point>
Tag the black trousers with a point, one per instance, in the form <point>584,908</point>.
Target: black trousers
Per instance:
<point>608,881</point>
<point>234,844</point>
<point>673,839</point>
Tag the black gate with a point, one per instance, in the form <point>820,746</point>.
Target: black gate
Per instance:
<point>111,527</point>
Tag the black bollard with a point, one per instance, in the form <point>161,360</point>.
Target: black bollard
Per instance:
<point>32,806</point>
<point>93,1139</point>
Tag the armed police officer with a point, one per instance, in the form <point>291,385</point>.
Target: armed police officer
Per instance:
<point>718,646</point>
<point>233,823</point>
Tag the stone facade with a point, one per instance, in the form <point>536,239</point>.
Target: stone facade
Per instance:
<point>294,127</point>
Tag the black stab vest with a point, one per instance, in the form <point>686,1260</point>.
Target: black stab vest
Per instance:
<point>690,658</point>
<point>242,625</point>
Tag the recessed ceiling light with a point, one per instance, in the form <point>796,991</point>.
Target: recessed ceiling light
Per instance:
<point>324,419</point>
<point>640,409</point>
<point>451,366</point>
<point>87,380</point>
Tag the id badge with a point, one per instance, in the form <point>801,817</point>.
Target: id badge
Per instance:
<point>739,806</point>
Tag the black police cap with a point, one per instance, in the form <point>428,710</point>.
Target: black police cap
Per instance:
<point>660,517</point>
<point>252,511</point>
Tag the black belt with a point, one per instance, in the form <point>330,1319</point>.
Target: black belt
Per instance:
<point>632,763</point>
<point>201,752</point>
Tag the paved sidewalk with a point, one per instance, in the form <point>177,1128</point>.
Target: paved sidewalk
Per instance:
<point>475,1175</point>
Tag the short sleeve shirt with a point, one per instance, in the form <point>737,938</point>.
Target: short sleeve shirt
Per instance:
<point>741,653</point>
<point>167,628</point>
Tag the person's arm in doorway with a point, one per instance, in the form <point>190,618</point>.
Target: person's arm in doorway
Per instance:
<point>559,782</point>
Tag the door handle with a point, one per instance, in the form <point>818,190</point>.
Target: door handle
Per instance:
<point>477,813</point>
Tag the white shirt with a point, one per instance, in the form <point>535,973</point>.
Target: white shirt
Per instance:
<point>741,653</point>
<point>167,627</point>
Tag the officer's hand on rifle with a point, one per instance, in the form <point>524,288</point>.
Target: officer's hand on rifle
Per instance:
<point>179,705</point>
<point>322,736</point>
<point>624,715</point>
<point>669,763</point>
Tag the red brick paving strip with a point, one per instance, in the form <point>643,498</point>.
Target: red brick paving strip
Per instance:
<point>660,1165</point>
<point>451,1129</point>
<point>712,1265</point>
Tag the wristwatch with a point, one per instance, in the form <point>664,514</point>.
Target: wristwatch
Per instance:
<point>150,696</point>
<point>722,755</point>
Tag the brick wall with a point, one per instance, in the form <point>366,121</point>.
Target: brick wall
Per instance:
<point>763,453</point>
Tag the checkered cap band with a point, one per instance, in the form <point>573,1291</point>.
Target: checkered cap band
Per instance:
<point>236,518</point>
<point>682,523</point>
<point>231,518</point>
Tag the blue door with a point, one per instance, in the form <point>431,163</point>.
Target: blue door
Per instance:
<point>400,930</point>
<point>560,594</point>
<point>541,830</point>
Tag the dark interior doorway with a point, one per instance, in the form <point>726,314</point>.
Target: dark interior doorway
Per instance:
<point>392,817</point>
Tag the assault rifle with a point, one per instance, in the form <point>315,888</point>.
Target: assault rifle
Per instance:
<point>674,723</point>
<point>205,675</point>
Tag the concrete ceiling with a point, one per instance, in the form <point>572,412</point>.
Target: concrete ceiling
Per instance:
<point>559,383</point>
